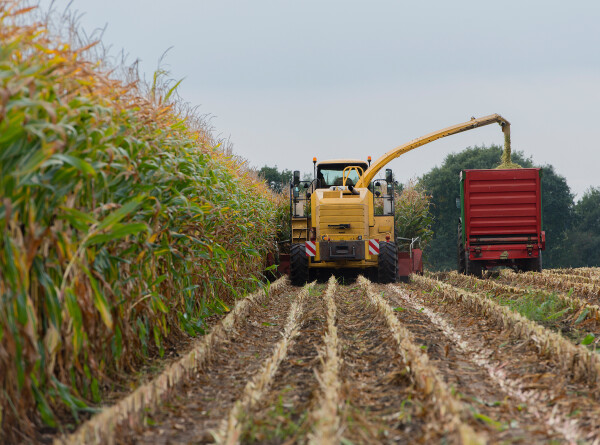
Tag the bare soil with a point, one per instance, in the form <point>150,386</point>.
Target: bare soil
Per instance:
<point>381,405</point>
<point>199,404</point>
<point>282,416</point>
<point>511,392</point>
<point>506,418</point>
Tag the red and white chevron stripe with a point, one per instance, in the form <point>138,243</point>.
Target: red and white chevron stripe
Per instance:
<point>374,246</point>
<point>311,249</point>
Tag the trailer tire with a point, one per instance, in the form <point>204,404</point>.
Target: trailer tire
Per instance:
<point>474,268</point>
<point>298,265</point>
<point>531,264</point>
<point>387,271</point>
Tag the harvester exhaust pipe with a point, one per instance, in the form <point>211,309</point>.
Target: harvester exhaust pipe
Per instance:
<point>353,190</point>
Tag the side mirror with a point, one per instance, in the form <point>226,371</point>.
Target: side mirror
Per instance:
<point>306,185</point>
<point>377,193</point>
<point>296,177</point>
<point>308,195</point>
<point>377,184</point>
<point>389,178</point>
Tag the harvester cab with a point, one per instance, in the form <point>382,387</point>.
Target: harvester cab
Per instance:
<point>336,225</point>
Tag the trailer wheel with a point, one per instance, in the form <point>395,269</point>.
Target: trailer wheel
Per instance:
<point>388,262</point>
<point>298,265</point>
<point>538,263</point>
<point>531,264</point>
<point>460,250</point>
<point>474,268</point>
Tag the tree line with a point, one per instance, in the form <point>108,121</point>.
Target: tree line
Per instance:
<point>572,227</point>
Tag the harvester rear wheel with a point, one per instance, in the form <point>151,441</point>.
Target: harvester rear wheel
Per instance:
<point>388,262</point>
<point>298,265</point>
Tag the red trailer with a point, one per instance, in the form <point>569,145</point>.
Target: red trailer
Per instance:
<point>501,220</point>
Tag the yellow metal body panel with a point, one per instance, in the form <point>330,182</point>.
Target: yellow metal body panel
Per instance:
<point>384,226</point>
<point>299,230</point>
<point>333,208</point>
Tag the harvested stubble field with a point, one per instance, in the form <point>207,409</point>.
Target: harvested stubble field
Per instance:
<point>444,359</point>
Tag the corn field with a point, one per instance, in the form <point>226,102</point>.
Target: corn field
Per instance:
<point>127,232</point>
<point>123,227</point>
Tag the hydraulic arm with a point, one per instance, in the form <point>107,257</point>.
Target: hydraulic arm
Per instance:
<point>370,173</point>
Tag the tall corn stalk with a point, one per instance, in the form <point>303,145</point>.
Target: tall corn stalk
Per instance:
<point>413,216</point>
<point>121,227</point>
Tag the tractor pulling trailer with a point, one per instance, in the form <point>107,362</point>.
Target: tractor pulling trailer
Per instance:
<point>334,224</point>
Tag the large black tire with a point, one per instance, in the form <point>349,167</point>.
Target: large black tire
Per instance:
<point>298,265</point>
<point>474,268</point>
<point>460,250</point>
<point>531,264</point>
<point>387,269</point>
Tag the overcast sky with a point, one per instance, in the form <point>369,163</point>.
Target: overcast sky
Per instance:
<point>289,80</point>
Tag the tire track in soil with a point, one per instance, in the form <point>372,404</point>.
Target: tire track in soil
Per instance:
<point>326,427</point>
<point>282,415</point>
<point>380,403</point>
<point>197,406</point>
<point>518,361</point>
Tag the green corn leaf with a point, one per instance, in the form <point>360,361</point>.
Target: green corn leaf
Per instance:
<point>44,409</point>
<point>116,216</point>
<point>119,231</point>
<point>78,163</point>
<point>78,219</point>
<point>100,301</point>
<point>159,280</point>
<point>582,316</point>
<point>588,339</point>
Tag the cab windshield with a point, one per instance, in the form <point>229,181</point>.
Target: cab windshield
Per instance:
<point>331,174</point>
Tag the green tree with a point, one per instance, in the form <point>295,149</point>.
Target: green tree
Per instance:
<point>582,245</point>
<point>274,178</point>
<point>443,185</point>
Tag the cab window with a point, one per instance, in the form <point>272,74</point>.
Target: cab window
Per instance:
<point>332,174</point>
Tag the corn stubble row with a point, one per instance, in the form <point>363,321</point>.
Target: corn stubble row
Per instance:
<point>447,408</point>
<point>231,427</point>
<point>588,272</point>
<point>557,274</point>
<point>558,422</point>
<point>122,227</point>
<point>589,290</point>
<point>577,306</point>
<point>326,418</point>
<point>575,360</point>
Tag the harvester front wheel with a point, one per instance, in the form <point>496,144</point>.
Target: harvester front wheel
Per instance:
<point>298,265</point>
<point>387,270</point>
